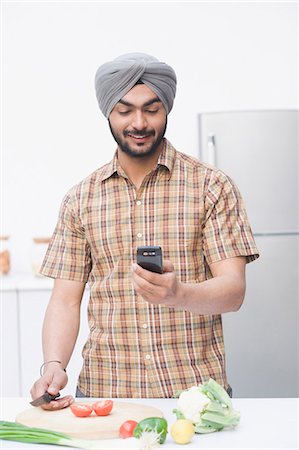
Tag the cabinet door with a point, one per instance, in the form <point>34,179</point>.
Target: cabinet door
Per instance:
<point>33,306</point>
<point>10,376</point>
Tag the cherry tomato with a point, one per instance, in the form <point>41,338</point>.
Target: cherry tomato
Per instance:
<point>81,409</point>
<point>127,428</point>
<point>102,407</point>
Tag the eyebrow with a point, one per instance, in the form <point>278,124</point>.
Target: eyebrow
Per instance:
<point>148,103</point>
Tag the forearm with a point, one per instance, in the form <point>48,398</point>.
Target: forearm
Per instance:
<point>222,293</point>
<point>215,296</point>
<point>60,331</point>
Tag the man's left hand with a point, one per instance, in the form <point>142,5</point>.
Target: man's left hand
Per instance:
<point>158,288</point>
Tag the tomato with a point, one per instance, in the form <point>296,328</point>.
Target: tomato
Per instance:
<point>127,428</point>
<point>102,407</point>
<point>81,409</point>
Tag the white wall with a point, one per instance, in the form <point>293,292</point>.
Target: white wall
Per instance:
<point>227,56</point>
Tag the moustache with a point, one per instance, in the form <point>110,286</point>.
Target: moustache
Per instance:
<point>139,133</point>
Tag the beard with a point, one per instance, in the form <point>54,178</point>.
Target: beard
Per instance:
<point>128,150</point>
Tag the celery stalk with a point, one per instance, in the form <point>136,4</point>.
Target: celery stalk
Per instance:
<point>214,419</point>
<point>217,392</point>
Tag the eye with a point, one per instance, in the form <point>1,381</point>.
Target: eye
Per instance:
<point>152,111</point>
<point>124,113</point>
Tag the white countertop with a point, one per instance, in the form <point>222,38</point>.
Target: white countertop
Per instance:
<point>266,423</point>
<point>25,282</point>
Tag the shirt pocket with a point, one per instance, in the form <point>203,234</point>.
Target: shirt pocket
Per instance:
<point>180,247</point>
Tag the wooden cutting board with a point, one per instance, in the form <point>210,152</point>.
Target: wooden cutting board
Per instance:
<point>92,427</point>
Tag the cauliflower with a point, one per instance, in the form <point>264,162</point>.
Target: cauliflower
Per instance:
<point>208,407</point>
<point>191,403</point>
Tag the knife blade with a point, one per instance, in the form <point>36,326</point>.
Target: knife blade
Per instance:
<point>43,399</point>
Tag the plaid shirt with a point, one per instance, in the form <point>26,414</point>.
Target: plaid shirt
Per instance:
<point>195,213</point>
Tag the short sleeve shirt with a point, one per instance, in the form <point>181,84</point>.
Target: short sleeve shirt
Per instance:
<point>197,215</point>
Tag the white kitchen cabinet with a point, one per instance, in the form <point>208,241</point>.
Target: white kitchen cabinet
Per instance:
<point>23,310</point>
<point>33,305</point>
<point>10,385</point>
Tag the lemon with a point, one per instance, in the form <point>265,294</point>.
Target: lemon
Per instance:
<point>182,431</point>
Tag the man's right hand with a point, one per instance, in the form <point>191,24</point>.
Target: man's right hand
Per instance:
<point>52,381</point>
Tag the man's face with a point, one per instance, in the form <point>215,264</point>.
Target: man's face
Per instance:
<point>138,122</point>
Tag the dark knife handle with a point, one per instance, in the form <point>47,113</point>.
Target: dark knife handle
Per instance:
<point>48,397</point>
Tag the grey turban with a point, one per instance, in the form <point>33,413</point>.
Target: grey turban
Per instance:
<point>115,78</point>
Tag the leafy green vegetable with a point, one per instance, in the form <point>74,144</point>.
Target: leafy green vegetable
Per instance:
<point>208,406</point>
<point>13,431</point>
<point>157,424</point>
<point>217,392</point>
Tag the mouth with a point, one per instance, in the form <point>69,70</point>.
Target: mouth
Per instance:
<point>140,138</point>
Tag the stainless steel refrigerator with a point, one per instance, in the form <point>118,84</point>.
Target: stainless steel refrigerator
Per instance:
<point>259,151</point>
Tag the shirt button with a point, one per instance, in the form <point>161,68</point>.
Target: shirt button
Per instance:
<point>145,325</point>
<point>139,235</point>
<point>147,357</point>
<point>138,203</point>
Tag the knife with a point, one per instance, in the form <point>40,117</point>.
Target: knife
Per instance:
<point>43,399</point>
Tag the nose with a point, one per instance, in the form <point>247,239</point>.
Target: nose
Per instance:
<point>139,121</point>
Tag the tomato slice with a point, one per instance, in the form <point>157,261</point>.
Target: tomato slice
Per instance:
<point>102,407</point>
<point>127,428</point>
<point>81,409</point>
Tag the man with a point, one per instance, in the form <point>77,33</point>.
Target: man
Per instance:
<point>151,334</point>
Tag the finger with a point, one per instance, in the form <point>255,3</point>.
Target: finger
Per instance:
<point>59,381</point>
<point>141,285</point>
<point>61,403</point>
<point>148,291</point>
<point>151,277</point>
<point>168,266</point>
<point>54,388</point>
<point>39,388</point>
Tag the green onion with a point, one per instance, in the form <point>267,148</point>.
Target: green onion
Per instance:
<point>13,431</point>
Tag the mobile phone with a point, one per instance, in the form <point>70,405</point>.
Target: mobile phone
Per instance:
<point>150,258</point>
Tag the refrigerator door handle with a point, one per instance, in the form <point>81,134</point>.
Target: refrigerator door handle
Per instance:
<point>212,154</point>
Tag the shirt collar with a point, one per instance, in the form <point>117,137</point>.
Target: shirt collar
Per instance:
<point>166,159</point>
<point>110,168</point>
